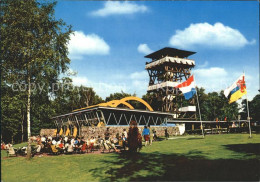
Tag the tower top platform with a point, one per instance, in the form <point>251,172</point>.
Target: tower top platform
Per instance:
<point>168,51</point>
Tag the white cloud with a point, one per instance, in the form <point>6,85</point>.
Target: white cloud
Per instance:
<point>143,48</point>
<point>212,79</point>
<point>81,44</point>
<point>139,75</point>
<point>204,65</point>
<point>101,88</point>
<point>215,79</point>
<point>209,36</point>
<point>119,8</point>
<point>136,82</point>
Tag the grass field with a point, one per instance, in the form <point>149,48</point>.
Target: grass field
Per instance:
<point>217,157</point>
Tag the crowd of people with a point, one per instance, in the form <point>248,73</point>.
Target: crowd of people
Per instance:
<point>131,140</point>
<point>6,146</point>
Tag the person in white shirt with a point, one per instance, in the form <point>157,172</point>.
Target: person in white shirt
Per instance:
<point>70,148</point>
<point>66,139</point>
<point>91,143</point>
<point>43,139</point>
<point>72,142</point>
<point>125,133</point>
<point>58,142</point>
<point>50,137</point>
<point>54,142</point>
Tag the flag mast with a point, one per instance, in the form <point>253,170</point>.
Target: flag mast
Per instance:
<point>199,111</point>
<point>248,117</point>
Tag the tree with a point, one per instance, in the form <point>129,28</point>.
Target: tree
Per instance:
<point>203,97</point>
<point>117,96</point>
<point>13,114</point>
<point>228,111</point>
<point>215,105</point>
<point>34,46</point>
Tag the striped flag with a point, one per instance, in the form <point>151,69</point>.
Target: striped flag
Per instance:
<point>236,90</point>
<point>188,88</point>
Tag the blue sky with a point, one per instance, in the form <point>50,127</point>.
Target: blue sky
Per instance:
<point>111,39</point>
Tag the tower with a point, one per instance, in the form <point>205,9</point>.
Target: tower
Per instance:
<point>168,68</point>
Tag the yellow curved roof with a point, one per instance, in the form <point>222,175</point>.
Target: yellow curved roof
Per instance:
<point>115,103</point>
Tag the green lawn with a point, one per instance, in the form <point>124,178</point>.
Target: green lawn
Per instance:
<point>217,157</point>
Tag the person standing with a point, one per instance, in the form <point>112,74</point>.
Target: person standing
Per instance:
<point>166,134</point>
<point>151,135</point>
<point>107,135</point>
<point>146,134</point>
<point>134,138</point>
<point>125,133</point>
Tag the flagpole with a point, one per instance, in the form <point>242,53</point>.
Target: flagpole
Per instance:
<point>199,111</point>
<point>248,117</point>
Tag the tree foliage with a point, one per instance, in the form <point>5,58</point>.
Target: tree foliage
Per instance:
<point>215,105</point>
<point>117,96</point>
<point>33,52</point>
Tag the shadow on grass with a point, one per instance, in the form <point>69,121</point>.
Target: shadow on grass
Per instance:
<point>172,167</point>
<point>249,148</point>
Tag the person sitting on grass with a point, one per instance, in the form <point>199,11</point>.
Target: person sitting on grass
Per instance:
<point>125,133</point>
<point>98,142</point>
<point>72,141</point>
<point>146,134</point>
<point>54,142</point>
<point>154,135</point>
<point>3,147</point>
<point>117,136</point>
<point>112,142</point>
<point>120,142</point>
<point>61,146</point>
<point>108,140</point>
<point>59,141</point>
<point>67,144</point>
<point>48,146</point>
<point>70,149</point>
<point>115,140</point>
<point>91,144</point>
<point>50,137</point>
<point>66,139</point>
<point>84,146</point>
<point>39,146</point>
<point>43,140</point>
<point>79,144</point>
<point>124,141</point>
<point>75,144</point>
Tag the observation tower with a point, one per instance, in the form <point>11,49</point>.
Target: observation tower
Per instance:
<point>168,68</point>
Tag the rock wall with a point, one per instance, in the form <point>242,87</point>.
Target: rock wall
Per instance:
<point>47,132</point>
<point>88,131</point>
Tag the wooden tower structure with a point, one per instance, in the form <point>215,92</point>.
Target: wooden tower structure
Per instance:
<point>168,68</point>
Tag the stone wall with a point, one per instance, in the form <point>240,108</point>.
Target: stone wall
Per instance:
<point>47,132</point>
<point>88,131</point>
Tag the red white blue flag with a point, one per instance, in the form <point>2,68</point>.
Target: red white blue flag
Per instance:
<point>188,88</point>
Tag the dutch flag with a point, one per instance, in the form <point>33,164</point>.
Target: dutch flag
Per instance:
<point>188,88</point>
